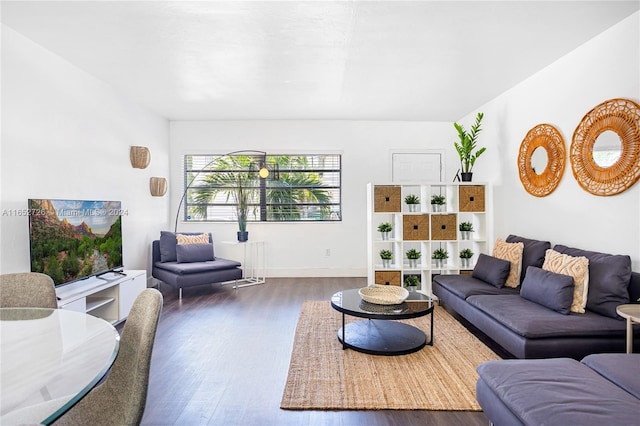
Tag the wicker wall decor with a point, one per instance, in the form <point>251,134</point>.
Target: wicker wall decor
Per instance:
<point>139,156</point>
<point>621,116</point>
<point>549,138</point>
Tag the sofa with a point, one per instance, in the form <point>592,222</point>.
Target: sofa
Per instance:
<point>601,389</point>
<point>532,319</point>
<point>190,263</point>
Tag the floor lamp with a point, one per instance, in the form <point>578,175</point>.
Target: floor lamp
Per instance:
<point>263,173</point>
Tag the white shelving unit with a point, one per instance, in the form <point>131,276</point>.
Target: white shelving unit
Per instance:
<point>424,229</point>
<point>109,296</point>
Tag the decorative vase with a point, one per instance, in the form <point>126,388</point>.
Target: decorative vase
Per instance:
<point>466,177</point>
<point>385,235</point>
<point>243,236</point>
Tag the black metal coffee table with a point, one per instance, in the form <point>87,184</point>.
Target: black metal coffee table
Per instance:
<point>380,335</point>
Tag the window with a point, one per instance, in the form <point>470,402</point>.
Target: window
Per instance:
<point>298,188</point>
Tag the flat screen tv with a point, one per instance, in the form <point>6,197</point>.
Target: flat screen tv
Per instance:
<point>74,239</point>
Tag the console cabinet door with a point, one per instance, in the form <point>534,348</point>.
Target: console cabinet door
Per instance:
<point>129,290</point>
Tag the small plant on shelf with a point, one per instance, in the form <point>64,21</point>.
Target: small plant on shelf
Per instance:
<point>438,202</point>
<point>412,201</point>
<point>411,281</point>
<point>385,229</point>
<point>465,256</point>
<point>440,254</point>
<point>386,254</point>
<point>466,226</point>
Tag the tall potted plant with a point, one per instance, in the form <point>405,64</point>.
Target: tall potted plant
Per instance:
<point>466,146</point>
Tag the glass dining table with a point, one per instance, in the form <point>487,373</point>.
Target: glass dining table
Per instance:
<point>49,360</point>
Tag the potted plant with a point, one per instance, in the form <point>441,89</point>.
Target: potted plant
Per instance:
<point>466,146</point>
<point>386,256</point>
<point>412,201</point>
<point>438,202</point>
<point>465,257</point>
<point>385,229</point>
<point>466,228</point>
<point>411,282</point>
<point>439,256</point>
<point>413,255</point>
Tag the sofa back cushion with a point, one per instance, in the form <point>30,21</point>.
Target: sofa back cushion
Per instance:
<point>168,243</point>
<point>513,253</point>
<point>554,291</point>
<point>533,253</point>
<point>609,277</point>
<point>491,270</point>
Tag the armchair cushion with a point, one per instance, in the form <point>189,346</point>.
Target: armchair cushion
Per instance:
<point>188,253</point>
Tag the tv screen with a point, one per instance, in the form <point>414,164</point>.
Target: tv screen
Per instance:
<point>74,239</point>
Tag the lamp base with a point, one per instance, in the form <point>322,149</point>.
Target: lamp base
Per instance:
<point>243,236</point>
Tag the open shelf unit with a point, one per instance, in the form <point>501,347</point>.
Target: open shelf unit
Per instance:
<point>424,229</point>
<point>109,297</point>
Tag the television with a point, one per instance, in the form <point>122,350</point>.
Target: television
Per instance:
<point>71,240</point>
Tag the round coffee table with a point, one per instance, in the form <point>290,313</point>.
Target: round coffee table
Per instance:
<point>380,335</point>
<point>631,312</point>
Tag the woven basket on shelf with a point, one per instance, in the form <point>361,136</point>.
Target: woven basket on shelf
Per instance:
<point>384,294</point>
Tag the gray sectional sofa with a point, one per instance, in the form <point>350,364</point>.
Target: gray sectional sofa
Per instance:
<point>537,329</point>
<point>190,265</point>
<point>601,389</point>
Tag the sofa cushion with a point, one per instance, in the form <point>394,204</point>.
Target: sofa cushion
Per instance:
<point>192,239</point>
<point>464,286</point>
<point>187,253</point>
<point>531,320</point>
<point>532,254</point>
<point>513,253</point>
<point>491,270</point>
<point>558,391</point>
<point>554,291</point>
<point>609,277</point>
<point>168,242</point>
<point>623,370</point>
<point>578,268</point>
<point>197,267</point>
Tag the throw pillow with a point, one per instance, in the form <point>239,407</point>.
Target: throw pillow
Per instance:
<point>609,277</point>
<point>513,253</point>
<point>188,253</point>
<point>192,239</point>
<point>551,290</point>
<point>491,270</point>
<point>532,254</point>
<point>576,267</point>
<point>168,246</point>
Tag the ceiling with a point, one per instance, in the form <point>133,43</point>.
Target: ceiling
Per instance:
<point>344,60</point>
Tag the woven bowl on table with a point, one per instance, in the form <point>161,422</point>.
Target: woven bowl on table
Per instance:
<point>384,294</point>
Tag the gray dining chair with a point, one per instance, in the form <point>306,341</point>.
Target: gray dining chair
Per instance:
<point>121,398</point>
<point>27,290</point>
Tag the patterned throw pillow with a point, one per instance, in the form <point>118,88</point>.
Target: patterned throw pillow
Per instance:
<point>513,253</point>
<point>576,267</point>
<point>193,239</point>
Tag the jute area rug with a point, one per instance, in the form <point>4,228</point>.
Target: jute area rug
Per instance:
<point>322,376</point>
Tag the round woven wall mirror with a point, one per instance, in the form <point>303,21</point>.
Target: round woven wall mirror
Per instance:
<point>541,160</point>
<point>603,164</point>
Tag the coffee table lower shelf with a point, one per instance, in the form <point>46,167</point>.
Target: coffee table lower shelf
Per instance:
<point>382,337</point>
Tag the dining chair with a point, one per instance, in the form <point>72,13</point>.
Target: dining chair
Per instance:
<point>121,398</point>
<point>27,290</point>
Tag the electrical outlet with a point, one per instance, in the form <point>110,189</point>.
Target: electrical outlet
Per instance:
<point>327,252</point>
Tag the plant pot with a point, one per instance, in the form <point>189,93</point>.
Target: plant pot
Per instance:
<point>437,207</point>
<point>438,263</point>
<point>465,262</point>
<point>413,207</point>
<point>386,263</point>
<point>466,235</point>
<point>412,288</point>
<point>413,263</point>
<point>243,236</point>
<point>466,177</point>
<point>385,235</point>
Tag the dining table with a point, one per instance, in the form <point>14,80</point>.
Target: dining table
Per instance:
<point>49,360</point>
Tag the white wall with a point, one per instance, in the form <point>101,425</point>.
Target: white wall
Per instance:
<point>604,68</point>
<point>67,135</point>
<point>298,249</point>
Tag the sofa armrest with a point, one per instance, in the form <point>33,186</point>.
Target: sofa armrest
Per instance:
<point>155,252</point>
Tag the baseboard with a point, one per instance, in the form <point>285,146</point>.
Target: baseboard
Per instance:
<point>315,272</point>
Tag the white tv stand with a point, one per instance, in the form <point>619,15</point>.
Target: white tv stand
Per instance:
<point>109,296</point>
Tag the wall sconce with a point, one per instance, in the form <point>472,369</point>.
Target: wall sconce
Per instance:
<point>158,186</point>
<point>140,157</point>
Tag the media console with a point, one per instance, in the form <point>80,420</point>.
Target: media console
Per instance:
<point>109,296</point>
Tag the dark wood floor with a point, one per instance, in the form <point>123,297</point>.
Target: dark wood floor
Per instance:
<point>221,357</point>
